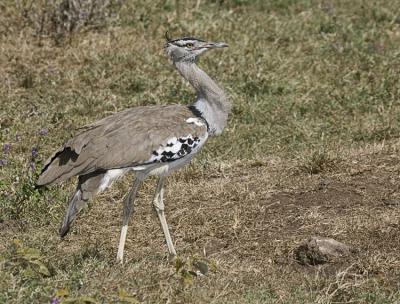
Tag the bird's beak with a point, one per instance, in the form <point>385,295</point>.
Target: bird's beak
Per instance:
<point>213,45</point>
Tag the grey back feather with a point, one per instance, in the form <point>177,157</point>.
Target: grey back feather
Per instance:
<point>125,139</point>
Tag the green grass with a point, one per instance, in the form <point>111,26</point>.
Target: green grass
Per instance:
<point>309,80</point>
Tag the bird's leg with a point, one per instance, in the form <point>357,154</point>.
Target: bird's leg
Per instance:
<point>159,206</point>
<point>128,209</point>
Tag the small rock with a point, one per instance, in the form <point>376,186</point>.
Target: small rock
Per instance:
<point>320,250</point>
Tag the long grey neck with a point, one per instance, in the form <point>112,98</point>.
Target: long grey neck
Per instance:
<point>211,100</point>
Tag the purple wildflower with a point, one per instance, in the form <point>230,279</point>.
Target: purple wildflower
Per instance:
<point>54,301</point>
<point>83,15</point>
<point>6,148</point>
<point>34,152</point>
<point>44,132</point>
<point>377,46</point>
<point>3,162</point>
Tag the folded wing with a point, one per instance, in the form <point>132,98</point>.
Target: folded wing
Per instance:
<point>126,139</point>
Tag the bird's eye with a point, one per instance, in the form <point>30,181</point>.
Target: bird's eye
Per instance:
<point>189,45</point>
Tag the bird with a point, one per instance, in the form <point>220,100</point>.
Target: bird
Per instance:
<point>150,140</point>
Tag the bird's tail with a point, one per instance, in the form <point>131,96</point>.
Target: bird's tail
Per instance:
<point>88,187</point>
<point>75,205</point>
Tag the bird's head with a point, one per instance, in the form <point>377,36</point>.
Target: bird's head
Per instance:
<point>189,48</point>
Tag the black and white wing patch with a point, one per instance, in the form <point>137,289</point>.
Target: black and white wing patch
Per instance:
<point>175,148</point>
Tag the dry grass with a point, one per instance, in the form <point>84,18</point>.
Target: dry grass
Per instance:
<point>311,149</point>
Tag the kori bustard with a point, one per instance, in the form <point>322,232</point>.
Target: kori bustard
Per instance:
<point>150,140</point>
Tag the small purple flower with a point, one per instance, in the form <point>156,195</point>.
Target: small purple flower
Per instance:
<point>6,148</point>
<point>44,132</point>
<point>54,301</point>
<point>83,15</point>
<point>34,152</point>
<point>3,162</point>
<point>377,46</point>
